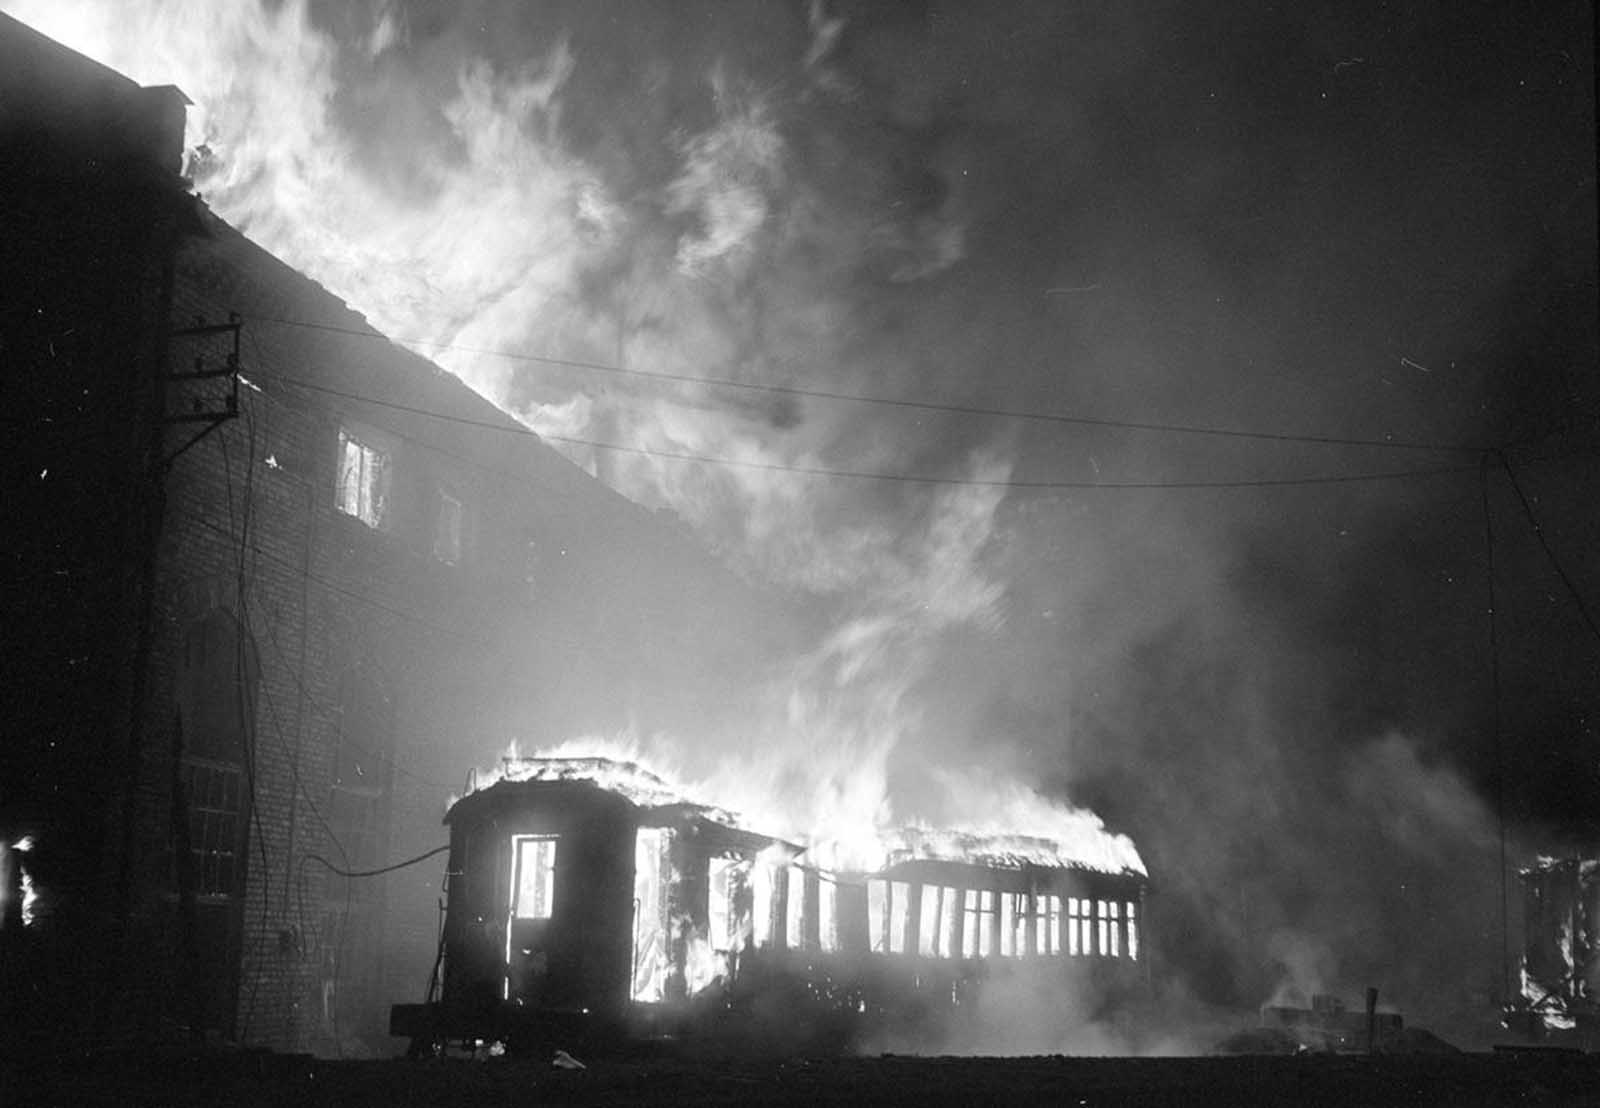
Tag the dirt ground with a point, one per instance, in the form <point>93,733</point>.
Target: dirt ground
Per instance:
<point>1459,1081</point>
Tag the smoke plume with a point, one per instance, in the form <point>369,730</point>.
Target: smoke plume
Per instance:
<point>1175,216</point>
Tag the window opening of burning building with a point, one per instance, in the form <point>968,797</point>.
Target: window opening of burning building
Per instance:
<point>364,470</point>
<point>217,680</point>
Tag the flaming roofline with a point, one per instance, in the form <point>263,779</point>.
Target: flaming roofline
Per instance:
<point>657,799</point>
<point>650,794</point>
<point>996,851</point>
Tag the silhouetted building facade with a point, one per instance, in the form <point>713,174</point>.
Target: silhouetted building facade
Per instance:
<point>277,580</point>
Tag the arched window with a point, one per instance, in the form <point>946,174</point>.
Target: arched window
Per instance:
<point>217,681</point>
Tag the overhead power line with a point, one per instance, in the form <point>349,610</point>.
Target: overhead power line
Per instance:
<point>1549,552</point>
<point>892,402</point>
<point>867,475</point>
<point>380,871</point>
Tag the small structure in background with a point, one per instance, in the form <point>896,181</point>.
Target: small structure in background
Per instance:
<point>1329,1026</point>
<point>587,898</point>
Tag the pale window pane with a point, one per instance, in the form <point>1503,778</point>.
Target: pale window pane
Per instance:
<point>899,916</point>
<point>1100,918</point>
<point>1040,924</point>
<point>1008,925</point>
<point>763,893</point>
<point>1133,931</point>
<point>827,915</point>
<point>986,923</point>
<point>970,925</point>
<point>728,906</point>
<point>1073,939</point>
<point>949,921</point>
<point>1055,924</point>
<point>534,888</point>
<point>795,921</point>
<point>362,486</point>
<point>928,923</point>
<point>1115,910</point>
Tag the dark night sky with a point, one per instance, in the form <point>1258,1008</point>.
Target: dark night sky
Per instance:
<point>1357,221</point>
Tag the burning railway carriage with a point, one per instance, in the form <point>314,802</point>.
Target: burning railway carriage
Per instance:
<point>586,898</point>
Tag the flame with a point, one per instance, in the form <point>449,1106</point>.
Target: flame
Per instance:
<point>30,892</point>
<point>852,828</point>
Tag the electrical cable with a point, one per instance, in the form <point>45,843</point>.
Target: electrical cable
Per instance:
<point>244,691</point>
<point>854,398</point>
<point>375,872</point>
<point>1549,553</point>
<point>820,471</point>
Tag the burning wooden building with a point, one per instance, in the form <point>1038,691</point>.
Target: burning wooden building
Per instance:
<point>588,896</point>
<point>1560,978</point>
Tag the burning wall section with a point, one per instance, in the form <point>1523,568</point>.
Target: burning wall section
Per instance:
<point>1560,977</point>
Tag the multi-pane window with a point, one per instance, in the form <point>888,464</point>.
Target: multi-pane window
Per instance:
<point>938,921</point>
<point>1044,936</point>
<point>969,924</point>
<point>216,805</point>
<point>1008,925</point>
<point>362,489</point>
<point>1106,912</point>
<point>978,924</point>
<point>1080,926</point>
<point>533,883</point>
<point>447,529</point>
<point>216,693</point>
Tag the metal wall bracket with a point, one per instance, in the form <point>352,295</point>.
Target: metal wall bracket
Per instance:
<point>210,407</point>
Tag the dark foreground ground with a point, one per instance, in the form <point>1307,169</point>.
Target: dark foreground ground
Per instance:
<point>260,1079</point>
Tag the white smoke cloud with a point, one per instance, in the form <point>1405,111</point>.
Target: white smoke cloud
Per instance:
<point>726,177</point>
<point>493,234</point>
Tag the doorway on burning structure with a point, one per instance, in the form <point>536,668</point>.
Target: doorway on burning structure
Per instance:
<point>357,820</point>
<point>217,678</point>
<point>529,915</point>
<point>652,946</point>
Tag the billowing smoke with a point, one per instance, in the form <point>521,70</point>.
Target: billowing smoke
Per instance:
<point>1170,216</point>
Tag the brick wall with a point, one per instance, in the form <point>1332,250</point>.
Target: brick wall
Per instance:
<point>467,656</point>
